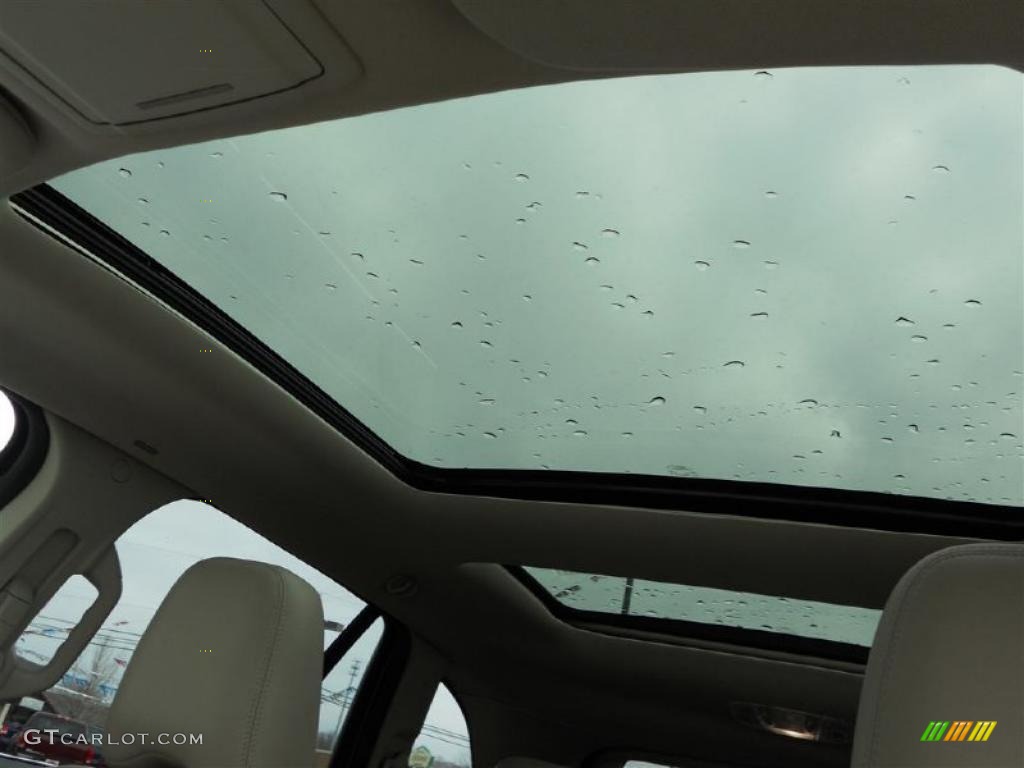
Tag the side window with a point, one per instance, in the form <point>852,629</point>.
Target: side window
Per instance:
<point>50,627</point>
<point>154,553</point>
<point>443,741</point>
<point>340,686</point>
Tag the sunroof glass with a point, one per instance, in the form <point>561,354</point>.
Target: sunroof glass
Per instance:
<point>809,277</point>
<point>622,596</point>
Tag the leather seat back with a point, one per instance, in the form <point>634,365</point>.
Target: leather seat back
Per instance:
<point>234,654</point>
<point>944,686</point>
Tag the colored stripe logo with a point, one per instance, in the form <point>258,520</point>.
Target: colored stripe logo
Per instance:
<point>958,730</point>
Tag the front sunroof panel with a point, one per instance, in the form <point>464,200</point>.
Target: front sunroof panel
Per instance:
<point>810,277</point>
<point>620,596</point>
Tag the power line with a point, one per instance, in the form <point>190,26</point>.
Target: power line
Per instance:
<point>442,734</point>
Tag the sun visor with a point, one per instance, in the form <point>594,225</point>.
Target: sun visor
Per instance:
<point>122,61</point>
<point>660,35</point>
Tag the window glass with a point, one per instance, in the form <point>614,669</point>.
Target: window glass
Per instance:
<point>443,741</point>
<point>6,420</point>
<point>154,553</point>
<point>641,597</point>
<point>50,628</point>
<point>340,686</point>
<point>808,276</point>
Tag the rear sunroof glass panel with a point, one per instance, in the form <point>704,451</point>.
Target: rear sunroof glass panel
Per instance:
<point>621,596</point>
<point>809,277</point>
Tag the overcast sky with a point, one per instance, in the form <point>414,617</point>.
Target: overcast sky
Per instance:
<point>807,276</point>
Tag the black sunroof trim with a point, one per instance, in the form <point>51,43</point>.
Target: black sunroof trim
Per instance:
<point>779,642</point>
<point>826,506</point>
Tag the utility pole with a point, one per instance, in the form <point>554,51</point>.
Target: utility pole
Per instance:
<point>627,595</point>
<point>353,671</point>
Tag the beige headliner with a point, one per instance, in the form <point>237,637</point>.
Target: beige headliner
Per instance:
<point>229,434</point>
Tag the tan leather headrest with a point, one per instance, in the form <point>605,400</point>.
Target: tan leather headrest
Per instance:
<point>235,654</point>
<point>948,659</point>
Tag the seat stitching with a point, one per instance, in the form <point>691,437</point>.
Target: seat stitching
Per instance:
<point>257,705</point>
